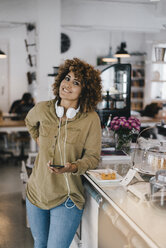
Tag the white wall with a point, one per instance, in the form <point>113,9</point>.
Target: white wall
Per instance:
<point>90,44</point>
<point>14,14</point>
<point>92,26</point>
<point>86,45</point>
<point>111,15</point>
<point>17,61</point>
<point>48,15</point>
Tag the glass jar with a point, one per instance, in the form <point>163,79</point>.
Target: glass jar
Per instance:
<point>123,141</point>
<point>153,161</point>
<point>158,189</point>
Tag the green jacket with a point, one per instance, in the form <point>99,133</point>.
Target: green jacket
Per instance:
<point>47,190</point>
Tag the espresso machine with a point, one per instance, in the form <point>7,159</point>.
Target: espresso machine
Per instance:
<point>116,88</point>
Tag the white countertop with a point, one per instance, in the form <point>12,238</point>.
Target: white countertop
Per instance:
<point>147,220</point>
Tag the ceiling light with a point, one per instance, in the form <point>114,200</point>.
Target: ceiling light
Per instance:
<point>121,52</point>
<point>109,58</point>
<point>2,55</point>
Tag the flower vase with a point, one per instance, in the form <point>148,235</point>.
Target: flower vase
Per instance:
<point>123,141</point>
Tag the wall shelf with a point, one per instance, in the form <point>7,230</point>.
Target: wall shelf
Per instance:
<point>135,67</point>
<point>158,100</point>
<point>158,81</point>
<point>135,100</point>
<point>137,82</point>
<point>157,76</point>
<point>137,78</point>
<point>159,62</point>
<point>137,89</point>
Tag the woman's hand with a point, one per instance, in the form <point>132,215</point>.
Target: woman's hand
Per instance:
<point>68,167</point>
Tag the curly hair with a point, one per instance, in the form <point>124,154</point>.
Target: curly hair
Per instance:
<point>90,79</point>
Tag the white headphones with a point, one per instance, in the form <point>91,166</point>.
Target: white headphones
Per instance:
<point>71,112</point>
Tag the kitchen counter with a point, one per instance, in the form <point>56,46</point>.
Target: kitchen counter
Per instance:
<point>147,221</point>
<point>148,121</point>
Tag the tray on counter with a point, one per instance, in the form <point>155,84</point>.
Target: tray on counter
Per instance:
<point>96,175</point>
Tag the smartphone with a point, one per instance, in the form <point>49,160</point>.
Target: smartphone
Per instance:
<point>58,166</point>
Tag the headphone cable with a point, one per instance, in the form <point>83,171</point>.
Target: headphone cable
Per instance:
<point>59,134</point>
<point>65,141</point>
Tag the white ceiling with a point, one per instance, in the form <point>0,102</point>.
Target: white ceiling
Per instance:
<point>12,4</point>
<point>129,1</point>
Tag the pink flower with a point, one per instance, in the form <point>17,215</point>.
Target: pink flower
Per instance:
<point>116,118</point>
<point>118,124</point>
<point>133,124</point>
<point>132,118</point>
<point>138,122</point>
<point>113,121</point>
<point>126,124</point>
<point>116,127</point>
<point>137,128</point>
<point>122,123</point>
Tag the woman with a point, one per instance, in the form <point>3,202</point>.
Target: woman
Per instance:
<point>68,132</point>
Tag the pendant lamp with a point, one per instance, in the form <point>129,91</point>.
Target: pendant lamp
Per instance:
<point>2,55</point>
<point>121,52</point>
<point>109,58</point>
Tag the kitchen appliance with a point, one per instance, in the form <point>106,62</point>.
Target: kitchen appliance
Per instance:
<point>116,87</point>
<point>158,189</point>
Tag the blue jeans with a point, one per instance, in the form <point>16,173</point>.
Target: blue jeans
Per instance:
<point>54,228</point>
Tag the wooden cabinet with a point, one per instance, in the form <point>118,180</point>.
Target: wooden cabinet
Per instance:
<point>137,87</point>
<point>137,61</point>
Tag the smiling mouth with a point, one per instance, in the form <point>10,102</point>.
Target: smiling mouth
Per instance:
<point>66,91</point>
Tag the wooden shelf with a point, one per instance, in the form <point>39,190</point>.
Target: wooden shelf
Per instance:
<point>136,108</point>
<point>137,82</point>
<point>135,100</point>
<point>136,67</point>
<point>137,78</point>
<point>158,81</point>
<point>137,89</point>
<point>159,62</point>
<point>158,100</point>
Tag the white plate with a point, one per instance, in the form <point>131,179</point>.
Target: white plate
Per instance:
<point>96,174</point>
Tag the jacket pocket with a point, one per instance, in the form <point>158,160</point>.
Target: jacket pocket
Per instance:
<point>44,128</point>
<point>72,135</point>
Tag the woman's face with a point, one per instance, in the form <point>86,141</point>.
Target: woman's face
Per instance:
<point>70,88</point>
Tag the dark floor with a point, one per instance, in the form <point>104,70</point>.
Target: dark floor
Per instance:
<point>13,230</point>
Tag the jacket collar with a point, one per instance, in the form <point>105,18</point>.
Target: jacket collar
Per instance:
<point>51,105</point>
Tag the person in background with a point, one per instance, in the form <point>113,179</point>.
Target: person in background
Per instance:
<point>14,105</point>
<point>21,107</point>
<point>68,132</point>
<point>151,110</point>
